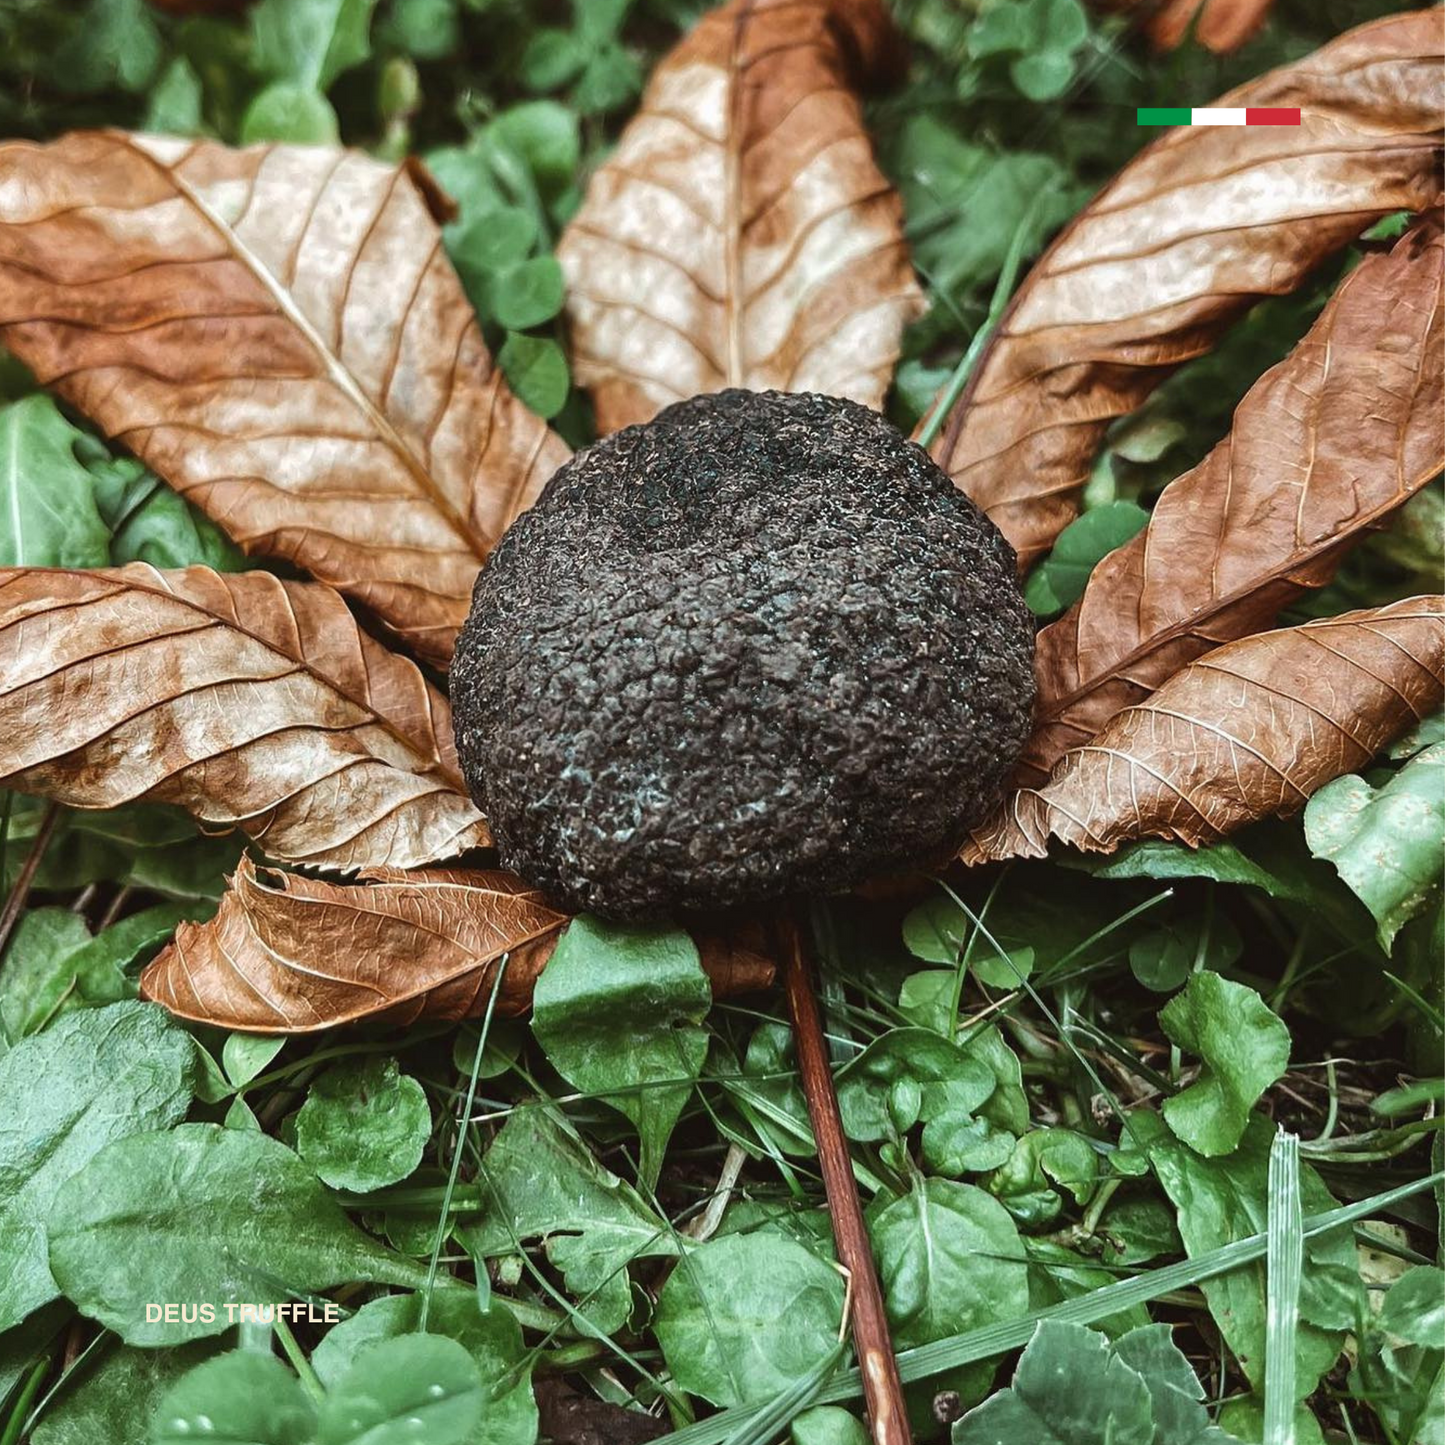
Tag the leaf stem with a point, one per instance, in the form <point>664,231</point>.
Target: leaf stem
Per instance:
<point>22,1403</point>
<point>310,1381</point>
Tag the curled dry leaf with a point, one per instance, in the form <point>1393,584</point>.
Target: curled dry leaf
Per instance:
<point>252,702</point>
<point>741,234</point>
<point>289,954</point>
<point>277,332</point>
<point>1325,446</point>
<point>1195,229</point>
<point>1251,730</point>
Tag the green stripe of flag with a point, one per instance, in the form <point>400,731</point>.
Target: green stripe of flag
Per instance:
<point>1164,115</point>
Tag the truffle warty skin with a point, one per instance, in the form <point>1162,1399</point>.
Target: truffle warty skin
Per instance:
<point>760,645</point>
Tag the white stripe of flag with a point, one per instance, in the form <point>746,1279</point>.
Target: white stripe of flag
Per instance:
<point>1217,115</point>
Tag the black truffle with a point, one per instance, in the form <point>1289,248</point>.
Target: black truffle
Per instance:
<point>759,645</point>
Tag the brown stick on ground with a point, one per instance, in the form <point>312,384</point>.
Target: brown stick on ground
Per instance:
<point>15,904</point>
<point>882,1388</point>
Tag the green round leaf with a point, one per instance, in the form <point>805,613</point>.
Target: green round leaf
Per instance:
<point>999,30</point>
<point>544,1182</point>
<point>1069,1389</point>
<point>939,931</point>
<point>1044,1158</point>
<point>951,1261</point>
<point>116,1399</point>
<point>743,1317</point>
<point>829,1425</point>
<point>1064,24</point>
<point>528,293</point>
<point>174,107</point>
<point>1164,957</point>
<point>292,114</point>
<point>493,240</point>
<point>536,370</point>
<point>611,79</point>
<point>1414,1309</point>
<point>545,135</point>
<point>868,1088</point>
<point>492,1337</point>
<point>243,1398</point>
<point>426,29</point>
<point>551,59</point>
<point>404,1391</point>
<point>310,41</point>
<point>364,1124</point>
<point>1044,75</point>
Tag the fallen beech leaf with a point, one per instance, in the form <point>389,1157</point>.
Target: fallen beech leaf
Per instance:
<point>741,234</point>
<point>1194,230</point>
<point>252,702</point>
<point>278,333</point>
<point>1325,446</point>
<point>1249,731</point>
<point>290,954</point>
<point>1217,25</point>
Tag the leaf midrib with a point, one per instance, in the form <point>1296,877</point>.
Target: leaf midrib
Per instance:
<point>335,370</point>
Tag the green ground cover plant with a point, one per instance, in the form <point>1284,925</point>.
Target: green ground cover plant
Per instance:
<point>1147,1130</point>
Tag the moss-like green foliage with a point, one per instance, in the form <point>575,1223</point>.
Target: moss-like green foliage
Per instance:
<point>760,645</point>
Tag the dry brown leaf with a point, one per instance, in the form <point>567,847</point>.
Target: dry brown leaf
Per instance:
<point>252,702</point>
<point>741,234</point>
<point>1251,730</point>
<point>289,954</point>
<point>1217,25</point>
<point>1325,446</point>
<point>1195,229</point>
<point>277,332</point>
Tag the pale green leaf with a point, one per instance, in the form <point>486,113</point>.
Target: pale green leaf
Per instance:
<point>1245,1048</point>
<point>743,1317</point>
<point>94,1076</point>
<point>1388,843</point>
<point>240,1398</point>
<point>404,1390</point>
<point>491,1336</point>
<point>617,1012</point>
<point>48,514</point>
<point>207,1215</point>
<point>364,1124</point>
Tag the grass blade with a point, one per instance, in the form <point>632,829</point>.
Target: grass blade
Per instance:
<point>1284,1263</point>
<point>764,1423</point>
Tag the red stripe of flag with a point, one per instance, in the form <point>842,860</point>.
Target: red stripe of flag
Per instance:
<point>1271,115</point>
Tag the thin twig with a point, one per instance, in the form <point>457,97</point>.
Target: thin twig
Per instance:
<point>21,891</point>
<point>882,1388</point>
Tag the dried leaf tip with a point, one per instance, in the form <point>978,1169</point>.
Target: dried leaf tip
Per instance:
<point>742,234</point>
